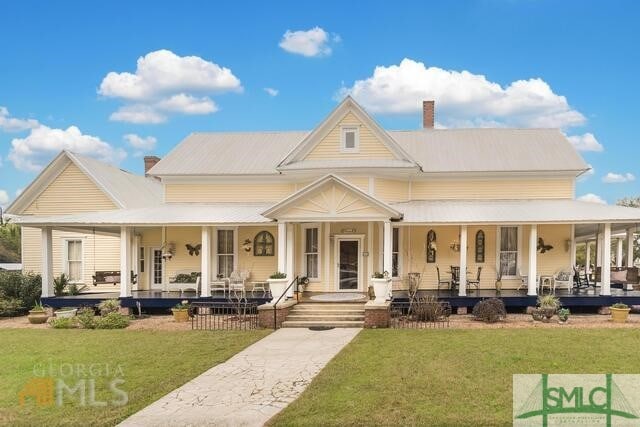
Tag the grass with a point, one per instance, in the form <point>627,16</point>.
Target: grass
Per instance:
<point>152,364</point>
<point>449,377</point>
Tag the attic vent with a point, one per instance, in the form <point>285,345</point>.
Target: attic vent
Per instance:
<point>350,139</point>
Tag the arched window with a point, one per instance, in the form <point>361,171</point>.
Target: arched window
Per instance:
<point>480,246</point>
<point>263,244</point>
<point>431,246</point>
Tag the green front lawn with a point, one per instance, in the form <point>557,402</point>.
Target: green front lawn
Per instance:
<point>450,377</point>
<point>150,363</point>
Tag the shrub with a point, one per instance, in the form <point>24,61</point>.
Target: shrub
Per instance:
<point>490,310</point>
<point>63,322</point>
<point>109,306</point>
<point>427,309</point>
<point>10,307</point>
<point>187,277</point>
<point>278,275</point>
<point>620,305</point>
<point>87,318</point>
<point>112,320</point>
<point>24,287</point>
<point>73,289</point>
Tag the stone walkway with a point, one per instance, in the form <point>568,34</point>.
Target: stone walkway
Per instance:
<point>252,386</point>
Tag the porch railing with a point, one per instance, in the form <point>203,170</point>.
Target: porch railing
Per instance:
<point>275,312</point>
<point>419,314</point>
<point>240,315</point>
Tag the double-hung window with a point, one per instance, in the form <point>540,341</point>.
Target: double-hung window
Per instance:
<point>311,252</point>
<point>508,248</point>
<point>73,260</point>
<point>226,252</point>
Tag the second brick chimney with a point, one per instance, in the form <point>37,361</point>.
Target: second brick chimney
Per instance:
<point>428,114</point>
<point>149,162</point>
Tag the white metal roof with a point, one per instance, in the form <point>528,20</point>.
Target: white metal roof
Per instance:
<point>513,211</point>
<point>167,214</point>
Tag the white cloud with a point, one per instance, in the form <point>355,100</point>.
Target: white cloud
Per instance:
<point>140,144</point>
<point>463,99</point>
<point>313,42</point>
<point>167,83</point>
<point>586,142</point>
<point>35,150</point>
<point>11,124</point>
<point>271,91</point>
<point>4,198</point>
<point>618,178</point>
<point>592,198</point>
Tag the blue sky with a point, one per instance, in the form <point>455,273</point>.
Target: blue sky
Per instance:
<point>205,67</point>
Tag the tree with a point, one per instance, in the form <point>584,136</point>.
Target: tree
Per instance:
<point>632,202</point>
<point>10,242</point>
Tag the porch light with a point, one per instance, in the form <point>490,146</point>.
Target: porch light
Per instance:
<point>168,251</point>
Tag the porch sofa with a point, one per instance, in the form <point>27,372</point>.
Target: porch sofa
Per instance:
<point>621,276</point>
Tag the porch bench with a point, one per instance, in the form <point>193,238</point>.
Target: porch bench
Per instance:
<point>106,277</point>
<point>621,275</point>
<point>184,281</point>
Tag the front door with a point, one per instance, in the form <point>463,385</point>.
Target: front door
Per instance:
<point>348,264</point>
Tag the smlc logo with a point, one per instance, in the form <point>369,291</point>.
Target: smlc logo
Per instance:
<point>575,399</point>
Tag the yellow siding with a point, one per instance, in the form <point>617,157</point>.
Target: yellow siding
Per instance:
<point>182,262</point>
<point>71,192</point>
<point>362,182</point>
<point>492,189</point>
<point>245,192</point>
<point>106,249</point>
<point>391,190</point>
<point>261,267</point>
<point>370,145</point>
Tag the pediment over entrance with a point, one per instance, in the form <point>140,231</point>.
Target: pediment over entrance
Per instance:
<point>331,198</point>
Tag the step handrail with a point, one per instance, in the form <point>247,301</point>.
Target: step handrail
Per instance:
<point>275,313</point>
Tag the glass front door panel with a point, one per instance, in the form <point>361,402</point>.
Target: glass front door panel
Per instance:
<point>348,276</point>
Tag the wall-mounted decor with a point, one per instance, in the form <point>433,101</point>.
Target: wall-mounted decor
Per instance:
<point>263,244</point>
<point>246,245</point>
<point>542,248</point>
<point>480,246</point>
<point>194,249</point>
<point>431,246</point>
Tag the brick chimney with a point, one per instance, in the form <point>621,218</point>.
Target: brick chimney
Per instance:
<point>149,162</point>
<point>428,114</point>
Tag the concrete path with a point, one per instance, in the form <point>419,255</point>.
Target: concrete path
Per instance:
<point>252,386</point>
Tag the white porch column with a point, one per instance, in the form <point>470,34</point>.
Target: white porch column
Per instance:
<point>605,272</point>
<point>47,262</point>
<point>599,249</point>
<point>125,262</point>
<point>533,261</point>
<point>630,243</point>
<point>282,247</point>
<point>290,258</point>
<point>572,247</point>
<point>135,260</point>
<point>462,289</point>
<point>205,262</point>
<point>587,267</point>
<point>369,251</point>
<point>387,263</point>
<point>619,252</point>
<point>165,279</point>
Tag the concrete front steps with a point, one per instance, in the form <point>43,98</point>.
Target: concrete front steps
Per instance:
<point>329,315</point>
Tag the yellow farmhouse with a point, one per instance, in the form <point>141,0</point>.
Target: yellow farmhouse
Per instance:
<point>334,205</point>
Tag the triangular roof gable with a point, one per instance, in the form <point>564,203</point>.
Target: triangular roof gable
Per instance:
<point>349,203</point>
<point>47,176</point>
<point>348,105</point>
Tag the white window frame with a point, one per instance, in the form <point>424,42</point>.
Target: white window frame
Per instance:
<point>152,271</point>
<point>343,139</point>
<point>519,266</point>
<point>235,248</point>
<point>303,249</point>
<point>399,252</point>
<point>65,258</point>
<point>142,261</point>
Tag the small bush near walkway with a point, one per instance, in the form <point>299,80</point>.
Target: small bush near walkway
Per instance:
<point>18,292</point>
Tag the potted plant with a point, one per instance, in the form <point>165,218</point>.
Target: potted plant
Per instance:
<point>563,315</point>
<point>381,283</point>
<point>619,312</point>
<point>37,314</point>
<point>60,283</point>
<point>499,279</point>
<point>181,311</point>
<point>548,304</point>
<point>277,285</point>
<point>303,282</point>
<point>537,314</point>
<point>65,312</point>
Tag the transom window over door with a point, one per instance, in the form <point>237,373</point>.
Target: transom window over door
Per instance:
<point>225,252</point>
<point>350,139</point>
<point>73,267</point>
<point>508,251</point>
<point>311,252</point>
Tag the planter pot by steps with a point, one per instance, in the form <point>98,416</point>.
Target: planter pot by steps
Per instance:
<point>37,317</point>
<point>381,289</point>
<point>66,312</point>
<point>619,315</point>
<point>180,314</point>
<point>277,288</point>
